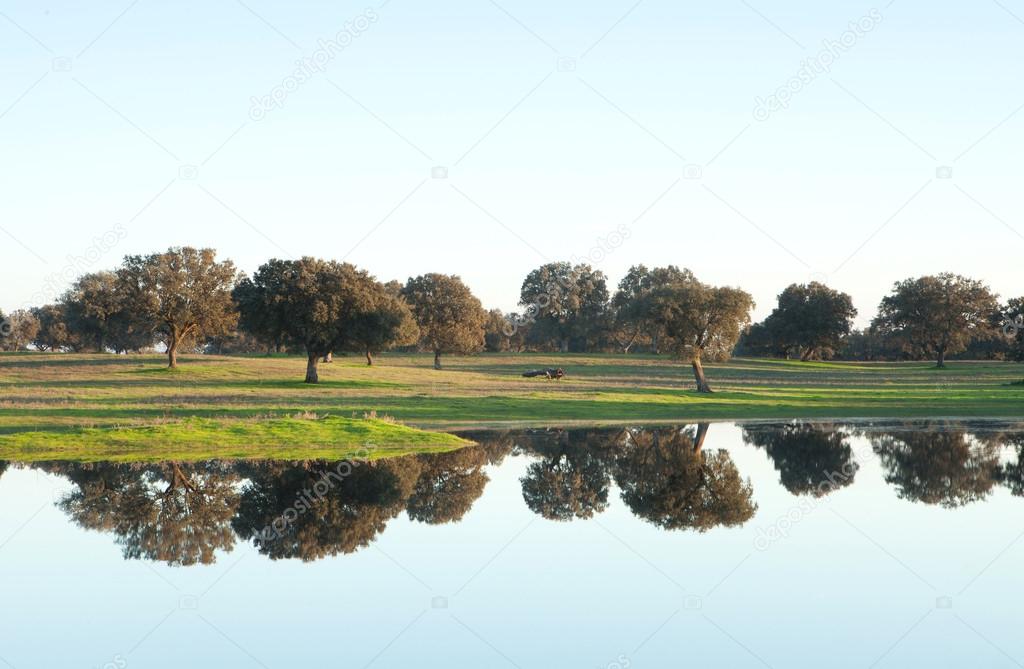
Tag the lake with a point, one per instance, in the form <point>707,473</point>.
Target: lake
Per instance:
<point>872,544</point>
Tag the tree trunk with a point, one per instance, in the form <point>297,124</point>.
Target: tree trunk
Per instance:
<point>172,351</point>
<point>369,358</point>
<point>942,358</point>
<point>698,374</point>
<point>311,363</point>
<point>437,360</point>
<point>654,344</point>
<point>564,345</point>
<point>632,340</point>
<point>807,355</point>
<point>329,357</point>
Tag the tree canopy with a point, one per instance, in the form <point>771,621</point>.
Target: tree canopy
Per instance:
<point>937,315</point>
<point>317,305</point>
<point>811,458</point>
<point>700,320</point>
<point>565,302</point>
<point>386,322</point>
<point>571,480</point>
<point>632,318</point>
<point>668,479</point>
<point>180,295</point>
<point>18,330</point>
<point>944,467</point>
<point>450,318</point>
<point>811,320</point>
<point>173,513</point>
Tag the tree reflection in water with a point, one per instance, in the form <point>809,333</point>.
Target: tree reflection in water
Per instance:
<point>943,465</point>
<point>573,476</point>
<point>812,458</point>
<point>183,514</point>
<point>668,478</point>
<point>946,467</point>
<point>174,513</point>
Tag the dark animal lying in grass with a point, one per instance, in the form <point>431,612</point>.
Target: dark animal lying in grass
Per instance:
<point>549,373</point>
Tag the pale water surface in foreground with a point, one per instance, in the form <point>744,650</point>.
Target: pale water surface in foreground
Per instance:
<point>781,545</point>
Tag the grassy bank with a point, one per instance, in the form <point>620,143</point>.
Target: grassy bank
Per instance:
<point>195,439</point>
<point>82,403</point>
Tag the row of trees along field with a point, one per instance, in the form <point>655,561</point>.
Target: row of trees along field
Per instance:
<point>185,299</point>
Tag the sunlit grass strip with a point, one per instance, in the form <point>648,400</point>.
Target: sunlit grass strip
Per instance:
<point>193,439</point>
<point>59,394</point>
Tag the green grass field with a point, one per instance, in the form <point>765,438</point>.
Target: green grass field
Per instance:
<point>125,407</point>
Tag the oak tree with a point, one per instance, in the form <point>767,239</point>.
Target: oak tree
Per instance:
<point>811,320</point>
<point>451,319</point>
<point>18,330</point>
<point>309,303</point>
<point>937,315</point>
<point>700,321</point>
<point>181,295</point>
<point>54,334</point>
<point>385,322</point>
<point>565,302</point>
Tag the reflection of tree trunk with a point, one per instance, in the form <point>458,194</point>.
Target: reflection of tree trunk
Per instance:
<point>178,480</point>
<point>369,357</point>
<point>702,433</point>
<point>437,360</point>
<point>698,374</point>
<point>311,371</point>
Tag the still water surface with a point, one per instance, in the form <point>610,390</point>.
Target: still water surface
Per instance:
<point>768,544</point>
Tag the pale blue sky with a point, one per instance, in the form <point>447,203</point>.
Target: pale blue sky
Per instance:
<point>104,108</point>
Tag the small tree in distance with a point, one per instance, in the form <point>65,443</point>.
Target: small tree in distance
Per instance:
<point>938,315</point>
<point>18,330</point>
<point>54,334</point>
<point>386,323</point>
<point>566,302</point>
<point>451,319</point>
<point>1011,323</point>
<point>811,320</point>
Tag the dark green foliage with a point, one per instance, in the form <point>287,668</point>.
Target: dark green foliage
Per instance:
<point>938,315</point>
<point>944,467</point>
<point>667,479</point>
<point>450,318</point>
<point>811,458</point>
<point>811,321</point>
<point>566,305</point>
<point>181,296</point>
